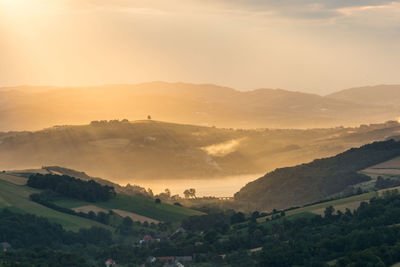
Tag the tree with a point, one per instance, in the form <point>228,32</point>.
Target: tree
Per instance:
<point>126,226</point>
<point>186,193</point>
<point>127,222</point>
<point>103,217</point>
<point>175,197</point>
<point>190,193</point>
<point>238,218</point>
<point>255,215</point>
<point>211,236</point>
<point>167,192</point>
<point>158,201</point>
<point>150,192</point>
<point>329,211</point>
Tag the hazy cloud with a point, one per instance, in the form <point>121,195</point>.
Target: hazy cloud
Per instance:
<point>311,45</point>
<point>307,9</point>
<point>298,9</point>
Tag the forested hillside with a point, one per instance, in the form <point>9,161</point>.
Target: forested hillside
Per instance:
<point>317,180</point>
<point>367,236</point>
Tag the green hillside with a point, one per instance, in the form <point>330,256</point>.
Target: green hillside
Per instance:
<point>16,197</point>
<point>307,183</point>
<point>138,205</point>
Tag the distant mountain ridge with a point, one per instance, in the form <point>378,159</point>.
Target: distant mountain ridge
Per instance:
<point>379,94</point>
<point>36,107</point>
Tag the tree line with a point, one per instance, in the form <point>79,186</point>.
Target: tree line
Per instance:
<point>67,186</point>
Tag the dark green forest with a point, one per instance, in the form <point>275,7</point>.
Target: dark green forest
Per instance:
<point>72,187</point>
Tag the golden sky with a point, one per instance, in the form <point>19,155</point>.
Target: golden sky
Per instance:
<point>308,45</point>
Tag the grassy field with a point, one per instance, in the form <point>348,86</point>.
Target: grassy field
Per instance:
<point>351,203</point>
<point>16,198</point>
<point>138,205</point>
<point>13,179</point>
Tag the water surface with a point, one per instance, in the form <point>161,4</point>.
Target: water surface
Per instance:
<point>219,187</point>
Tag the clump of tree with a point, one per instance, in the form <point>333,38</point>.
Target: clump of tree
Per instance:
<point>47,198</point>
<point>105,122</point>
<point>27,230</point>
<point>190,193</point>
<point>215,221</point>
<point>167,196</point>
<point>382,183</point>
<point>71,187</point>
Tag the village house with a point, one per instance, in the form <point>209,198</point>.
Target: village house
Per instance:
<point>151,259</point>
<point>146,239</point>
<point>177,231</point>
<point>110,263</point>
<point>5,246</point>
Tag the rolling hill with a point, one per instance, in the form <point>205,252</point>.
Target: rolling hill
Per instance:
<point>385,95</point>
<point>15,196</point>
<point>316,180</point>
<point>33,108</point>
<point>133,152</point>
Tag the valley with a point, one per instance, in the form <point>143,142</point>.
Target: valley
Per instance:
<point>196,133</point>
<point>159,154</point>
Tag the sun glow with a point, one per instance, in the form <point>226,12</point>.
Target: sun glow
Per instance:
<point>20,4</point>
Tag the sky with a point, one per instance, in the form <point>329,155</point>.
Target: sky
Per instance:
<point>316,46</point>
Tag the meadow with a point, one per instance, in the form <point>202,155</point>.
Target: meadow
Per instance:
<point>16,198</point>
<point>138,205</point>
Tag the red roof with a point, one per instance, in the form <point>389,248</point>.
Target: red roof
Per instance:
<point>147,238</point>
